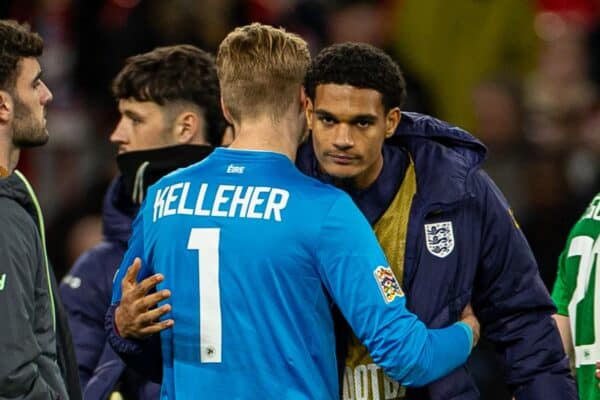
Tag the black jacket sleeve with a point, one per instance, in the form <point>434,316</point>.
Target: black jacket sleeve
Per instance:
<point>28,365</point>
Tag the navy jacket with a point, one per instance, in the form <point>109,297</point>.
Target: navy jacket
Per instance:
<point>86,293</point>
<point>488,263</point>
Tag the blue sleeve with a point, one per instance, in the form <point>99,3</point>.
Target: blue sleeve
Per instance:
<point>513,305</point>
<point>135,249</point>
<point>356,274</point>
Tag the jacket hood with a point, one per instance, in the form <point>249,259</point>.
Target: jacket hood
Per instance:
<point>444,156</point>
<point>13,187</point>
<point>414,126</point>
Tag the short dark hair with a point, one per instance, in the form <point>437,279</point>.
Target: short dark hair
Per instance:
<point>180,73</point>
<point>16,42</point>
<point>361,65</point>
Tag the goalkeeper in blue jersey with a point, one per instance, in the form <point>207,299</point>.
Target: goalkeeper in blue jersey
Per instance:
<point>255,254</point>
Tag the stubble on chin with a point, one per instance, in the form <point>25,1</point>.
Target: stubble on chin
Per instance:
<point>32,137</point>
<point>27,130</point>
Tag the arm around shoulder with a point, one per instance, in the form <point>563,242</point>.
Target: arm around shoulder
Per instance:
<point>356,268</point>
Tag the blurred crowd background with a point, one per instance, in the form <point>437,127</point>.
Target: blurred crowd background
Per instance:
<point>521,75</point>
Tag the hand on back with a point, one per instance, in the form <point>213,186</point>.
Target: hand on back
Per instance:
<point>137,316</point>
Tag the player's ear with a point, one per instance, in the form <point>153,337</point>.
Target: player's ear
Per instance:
<point>228,136</point>
<point>303,98</point>
<point>189,127</point>
<point>226,112</point>
<point>392,119</point>
<point>309,112</point>
<point>6,107</point>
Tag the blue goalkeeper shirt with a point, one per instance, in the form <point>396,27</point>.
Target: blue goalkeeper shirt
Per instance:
<point>255,253</point>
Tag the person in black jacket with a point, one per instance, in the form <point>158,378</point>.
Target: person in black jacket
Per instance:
<point>37,359</point>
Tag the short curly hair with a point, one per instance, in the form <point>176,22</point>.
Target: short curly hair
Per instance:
<point>172,74</point>
<point>16,42</point>
<point>361,65</point>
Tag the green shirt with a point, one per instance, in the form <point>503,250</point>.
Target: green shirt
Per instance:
<point>576,292</point>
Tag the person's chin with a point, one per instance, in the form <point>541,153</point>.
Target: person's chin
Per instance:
<point>35,142</point>
<point>338,171</point>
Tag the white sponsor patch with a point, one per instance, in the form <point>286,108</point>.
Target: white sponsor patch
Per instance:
<point>235,169</point>
<point>72,281</point>
<point>439,238</point>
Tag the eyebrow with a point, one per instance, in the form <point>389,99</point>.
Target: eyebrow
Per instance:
<point>364,118</point>
<point>132,114</point>
<point>370,118</point>
<point>37,77</point>
<point>325,114</point>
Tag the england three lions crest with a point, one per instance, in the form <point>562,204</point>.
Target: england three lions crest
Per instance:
<point>439,238</point>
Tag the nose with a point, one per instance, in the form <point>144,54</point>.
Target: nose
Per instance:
<point>46,96</point>
<point>119,134</point>
<point>343,137</point>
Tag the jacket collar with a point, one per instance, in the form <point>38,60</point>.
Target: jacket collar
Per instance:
<point>13,187</point>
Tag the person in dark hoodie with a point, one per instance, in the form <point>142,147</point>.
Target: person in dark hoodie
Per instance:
<point>37,359</point>
<point>168,99</point>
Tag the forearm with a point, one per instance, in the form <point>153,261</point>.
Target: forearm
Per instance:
<point>564,328</point>
<point>445,350</point>
<point>442,351</point>
<point>144,355</point>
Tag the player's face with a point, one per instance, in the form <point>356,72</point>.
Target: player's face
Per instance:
<point>143,126</point>
<point>349,126</point>
<point>30,98</point>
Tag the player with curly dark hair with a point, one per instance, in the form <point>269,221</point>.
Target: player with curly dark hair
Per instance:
<point>361,66</point>
<point>443,224</point>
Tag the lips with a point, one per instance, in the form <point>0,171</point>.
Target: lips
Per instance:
<point>341,158</point>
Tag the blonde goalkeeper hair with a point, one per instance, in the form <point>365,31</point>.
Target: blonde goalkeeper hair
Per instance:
<point>261,69</point>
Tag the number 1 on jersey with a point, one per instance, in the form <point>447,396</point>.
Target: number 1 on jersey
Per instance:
<point>206,242</point>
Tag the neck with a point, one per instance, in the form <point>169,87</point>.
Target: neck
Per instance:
<point>263,134</point>
<point>9,157</point>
